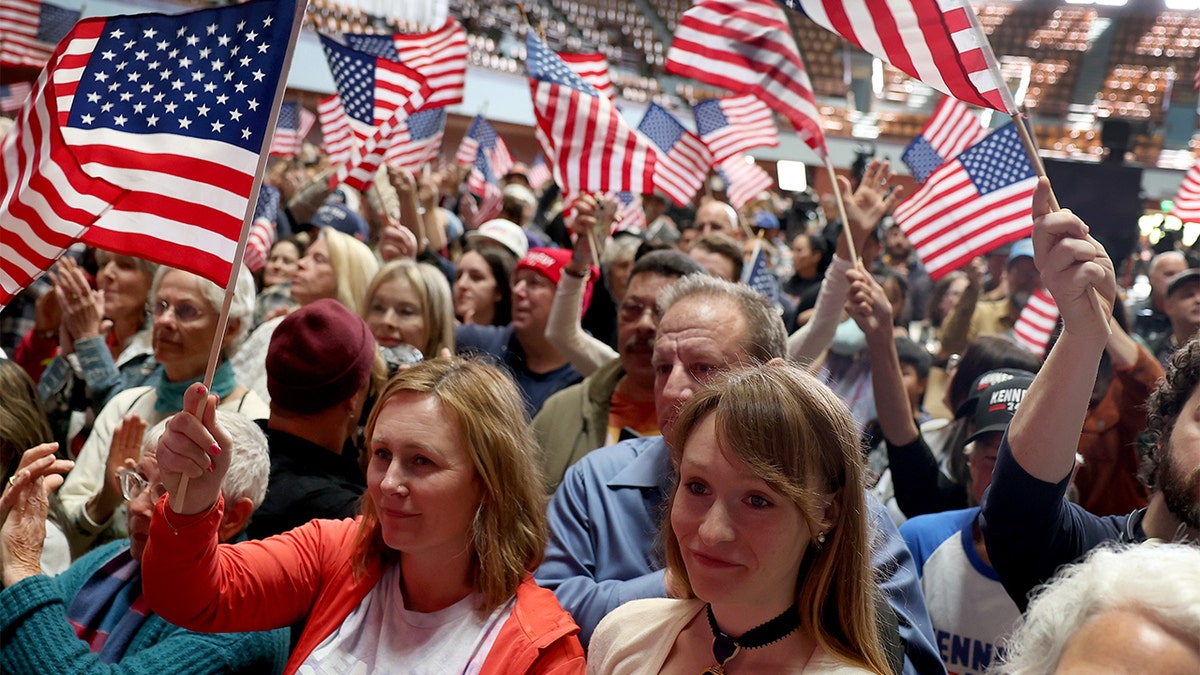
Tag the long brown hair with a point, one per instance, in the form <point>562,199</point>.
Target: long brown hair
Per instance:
<point>23,422</point>
<point>508,536</point>
<point>793,433</point>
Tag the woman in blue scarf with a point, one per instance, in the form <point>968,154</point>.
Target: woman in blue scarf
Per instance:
<point>93,618</point>
<point>185,308</point>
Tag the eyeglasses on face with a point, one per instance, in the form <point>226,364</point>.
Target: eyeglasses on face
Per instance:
<point>185,312</point>
<point>133,484</point>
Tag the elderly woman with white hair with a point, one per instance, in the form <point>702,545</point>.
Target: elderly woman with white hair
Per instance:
<point>93,617</point>
<point>1122,610</point>
<point>185,308</point>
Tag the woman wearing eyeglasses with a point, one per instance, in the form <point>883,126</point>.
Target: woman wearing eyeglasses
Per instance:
<point>185,308</point>
<point>93,618</point>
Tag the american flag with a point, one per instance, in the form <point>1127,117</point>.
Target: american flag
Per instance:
<point>758,275</point>
<point>733,125</point>
<point>630,216</point>
<point>746,46</point>
<point>952,128</point>
<point>593,68</point>
<point>490,160</point>
<point>539,173</point>
<point>417,141</point>
<point>171,110</point>
<point>744,179</point>
<point>590,146</point>
<point>1187,200</point>
<point>262,228</point>
<point>336,137</point>
<point>377,94</point>
<point>440,57</point>
<point>970,205</point>
<point>1035,324</point>
<point>29,31</point>
<point>938,42</point>
<point>12,96</point>
<point>290,130</point>
<point>683,162</point>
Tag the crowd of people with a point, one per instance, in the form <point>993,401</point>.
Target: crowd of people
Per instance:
<point>547,441</point>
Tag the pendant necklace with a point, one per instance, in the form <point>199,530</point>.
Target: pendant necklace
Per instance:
<point>725,648</point>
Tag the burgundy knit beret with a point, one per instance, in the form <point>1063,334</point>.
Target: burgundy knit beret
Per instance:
<point>320,355</point>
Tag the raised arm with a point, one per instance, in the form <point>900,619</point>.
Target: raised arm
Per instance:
<point>1044,433</point>
<point>563,328</point>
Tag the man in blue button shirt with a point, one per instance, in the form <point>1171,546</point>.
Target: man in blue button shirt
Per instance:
<point>605,517</point>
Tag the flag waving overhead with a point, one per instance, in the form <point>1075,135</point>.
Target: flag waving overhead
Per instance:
<point>593,68</point>
<point>683,161</point>
<point>744,179</point>
<point>417,140</point>
<point>951,129</point>
<point>1036,322</point>
<point>589,145</point>
<point>1187,200</point>
<point>440,57</point>
<point>746,46</point>
<point>29,31</point>
<point>977,201</point>
<point>733,125</point>
<point>336,137</point>
<point>175,111</point>
<point>938,42</point>
<point>291,128</point>
<point>488,154</point>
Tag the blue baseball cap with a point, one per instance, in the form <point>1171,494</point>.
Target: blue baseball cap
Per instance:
<point>342,219</point>
<point>1022,248</point>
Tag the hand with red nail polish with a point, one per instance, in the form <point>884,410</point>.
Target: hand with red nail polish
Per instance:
<point>194,445</point>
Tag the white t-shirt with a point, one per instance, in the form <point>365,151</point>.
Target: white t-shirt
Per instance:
<point>382,636</point>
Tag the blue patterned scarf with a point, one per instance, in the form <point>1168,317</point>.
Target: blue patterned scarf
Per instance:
<point>170,394</point>
<point>109,608</point>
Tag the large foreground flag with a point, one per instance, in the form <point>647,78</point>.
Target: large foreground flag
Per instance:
<point>29,31</point>
<point>977,201</point>
<point>744,179</point>
<point>173,112</point>
<point>1187,200</point>
<point>1035,324</point>
<point>746,46</point>
<point>935,41</point>
<point>589,145</point>
<point>734,125</point>
<point>952,128</point>
<point>683,161</point>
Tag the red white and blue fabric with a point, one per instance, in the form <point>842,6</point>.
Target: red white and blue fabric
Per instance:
<point>952,128</point>
<point>262,228</point>
<point>30,30</point>
<point>377,93</point>
<point>439,56</point>
<point>744,179</point>
<point>584,137</point>
<point>417,140</point>
<point>179,151</point>
<point>734,125</point>
<point>593,68</point>
<point>539,173</point>
<point>12,96</point>
<point>938,42</point>
<point>1035,324</point>
<point>1187,200</point>
<point>630,216</point>
<point>974,203</point>
<point>683,161</point>
<point>490,161</point>
<point>758,275</point>
<point>337,140</point>
<point>290,130</point>
<point>746,46</point>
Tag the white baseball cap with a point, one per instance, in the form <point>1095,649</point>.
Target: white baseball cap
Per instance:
<point>504,232</point>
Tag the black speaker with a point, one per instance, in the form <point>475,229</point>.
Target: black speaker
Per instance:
<point>1117,137</point>
<point>1107,196</point>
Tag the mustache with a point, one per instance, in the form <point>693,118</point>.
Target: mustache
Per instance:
<point>636,341</point>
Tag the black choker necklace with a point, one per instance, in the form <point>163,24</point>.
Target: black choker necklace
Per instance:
<point>726,647</point>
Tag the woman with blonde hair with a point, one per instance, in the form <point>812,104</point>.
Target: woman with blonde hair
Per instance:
<point>409,303</point>
<point>766,540</point>
<point>434,576</point>
<point>336,266</point>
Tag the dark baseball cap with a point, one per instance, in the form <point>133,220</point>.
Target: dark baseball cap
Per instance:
<point>1180,280</point>
<point>996,400</point>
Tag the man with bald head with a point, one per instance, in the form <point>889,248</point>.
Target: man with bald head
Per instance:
<point>717,217</point>
<point>1150,321</point>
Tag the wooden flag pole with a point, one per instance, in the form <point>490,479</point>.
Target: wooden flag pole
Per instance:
<point>214,353</point>
<point>1039,168</point>
<point>837,195</point>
